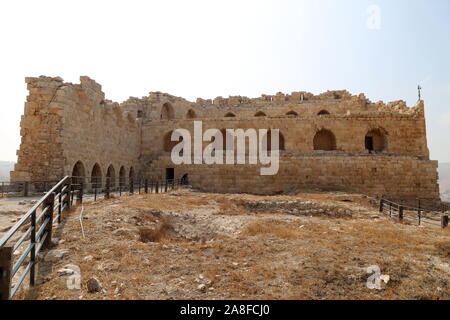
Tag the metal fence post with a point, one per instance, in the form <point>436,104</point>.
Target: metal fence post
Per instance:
<point>50,202</point>
<point>107,188</point>
<point>400,213</point>
<point>33,250</point>
<point>131,185</point>
<point>80,194</point>
<point>60,202</point>
<point>6,255</point>
<point>444,221</point>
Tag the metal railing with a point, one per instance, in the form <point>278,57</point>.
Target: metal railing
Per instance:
<point>49,210</point>
<point>418,214</point>
<point>25,188</point>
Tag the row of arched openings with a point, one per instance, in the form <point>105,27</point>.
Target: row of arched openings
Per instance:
<point>96,178</point>
<point>168,113</point>
<point>325,140</point>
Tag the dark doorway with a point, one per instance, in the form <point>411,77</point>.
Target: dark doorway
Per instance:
<point>369,143</point>
<point>170,173</point>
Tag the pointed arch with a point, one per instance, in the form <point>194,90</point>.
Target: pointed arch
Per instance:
<point>191,114</point>
<point>111,176</point>
<point>78,173</point>
<point>167,112</point>
<point>131,176</point>
<point>96,176</point>
<point>122,176</point>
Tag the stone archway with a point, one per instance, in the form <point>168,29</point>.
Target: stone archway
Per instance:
<point>111,176</point>
<point>324,140</point>
<point>191,114</point>
<point>96,176</point>
<point>167,112</point>
<point>260,114</point>
<point>122,176</point>
<point>78,173</point>
<point>131,176</point>
<point>230,115</point>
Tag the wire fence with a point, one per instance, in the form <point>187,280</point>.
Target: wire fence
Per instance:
<point>427,215</point>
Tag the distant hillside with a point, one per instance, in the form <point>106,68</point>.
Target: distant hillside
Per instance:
<point>5,168</point>
<point>444,180</point>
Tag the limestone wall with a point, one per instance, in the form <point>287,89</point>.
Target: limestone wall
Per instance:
<point>404,177</point>
<point>65,123</point>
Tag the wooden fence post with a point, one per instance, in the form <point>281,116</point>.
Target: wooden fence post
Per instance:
<point>157,187</point>
<point>165,187</point>
<point>381,205</point>
<point>50,202</point>
<point>146,186</point>
<point>444,221</point>
<point>6,256</point>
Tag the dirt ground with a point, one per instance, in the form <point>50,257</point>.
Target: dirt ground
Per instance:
<point>191,245</point>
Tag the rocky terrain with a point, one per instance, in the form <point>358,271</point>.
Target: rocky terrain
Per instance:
<point>192,245</point>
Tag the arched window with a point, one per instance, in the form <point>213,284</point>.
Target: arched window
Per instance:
<point>122,176</point>
<point>230,115</point>
<point>78,173</point>
<point>167,111</point>
<point>191,114</point>
<point>375,140</point>
<point>323,112</point>
<point>324,140</point>
<point>267,144</point>
<point>260,114</point>
<point>292,114</point>
<point>96,176</point>
<point>111,176</point>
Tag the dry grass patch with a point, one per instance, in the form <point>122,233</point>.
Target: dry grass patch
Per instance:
<point>270,228</point>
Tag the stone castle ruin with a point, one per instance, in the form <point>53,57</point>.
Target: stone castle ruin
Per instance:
<point>332,141</point>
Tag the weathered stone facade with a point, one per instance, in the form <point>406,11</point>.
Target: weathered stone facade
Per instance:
<point>334,140</point>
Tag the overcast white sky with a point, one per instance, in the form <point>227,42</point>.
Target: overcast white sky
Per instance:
<point>210,48</point>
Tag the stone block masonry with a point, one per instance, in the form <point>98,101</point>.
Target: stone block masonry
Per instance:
<point>333,141</point>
